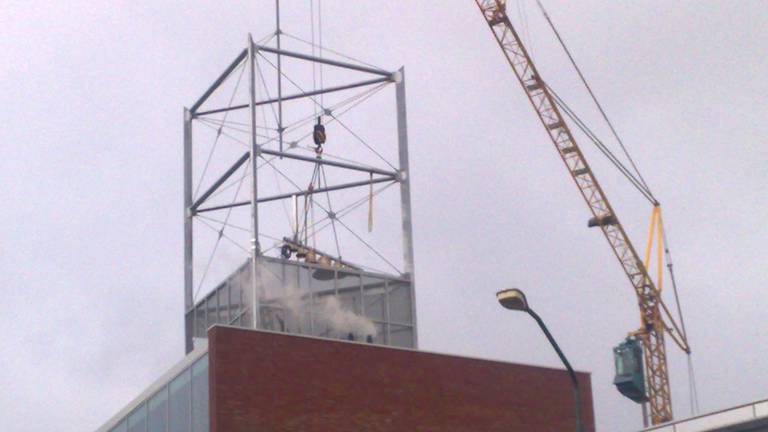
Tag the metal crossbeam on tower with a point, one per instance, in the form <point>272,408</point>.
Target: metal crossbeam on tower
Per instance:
<point>274,147</point>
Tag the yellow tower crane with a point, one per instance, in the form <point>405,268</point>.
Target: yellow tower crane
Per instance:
<point>654,387</point>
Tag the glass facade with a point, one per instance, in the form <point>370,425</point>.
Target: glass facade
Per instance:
<point>181,405</point>
<point>199,414</point>
<point>296,298</point>
<point>137,420</point>
<point>310,299</point>
<point>157,405</point>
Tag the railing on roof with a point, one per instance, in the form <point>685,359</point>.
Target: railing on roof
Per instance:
<point>740,418</point>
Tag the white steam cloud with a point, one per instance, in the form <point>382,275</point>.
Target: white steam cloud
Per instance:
<point>344,320</point>
<point>329,312</point>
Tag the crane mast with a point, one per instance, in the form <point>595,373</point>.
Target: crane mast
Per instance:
<point>651,332</point>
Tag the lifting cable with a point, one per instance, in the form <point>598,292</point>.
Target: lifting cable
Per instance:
<point>319,109</point>
<point>692,390</point>
<point>312,30</point>
<point>592,95</point>
<point>639,183</point>
<point>317,49</point>
<point>320,47</point>
<point>523,16</point>
<point>601,146</point>
<point>670,268</point>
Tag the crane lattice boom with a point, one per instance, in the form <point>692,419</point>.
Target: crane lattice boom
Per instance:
<point>652,327</point>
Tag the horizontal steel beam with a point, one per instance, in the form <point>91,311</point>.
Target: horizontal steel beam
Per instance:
<point>239,59</point>
<point>220,181</point>
<point>323,60</point>
<point>297,96</point>
<point>328,162</point>
<point>328,189</point>
<point>301,193</point>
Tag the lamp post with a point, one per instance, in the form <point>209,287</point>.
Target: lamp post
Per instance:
<point>514,299</point>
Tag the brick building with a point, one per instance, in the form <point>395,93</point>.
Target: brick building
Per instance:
<point>252,380</point>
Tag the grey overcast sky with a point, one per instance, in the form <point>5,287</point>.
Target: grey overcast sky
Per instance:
<point>91,246</point>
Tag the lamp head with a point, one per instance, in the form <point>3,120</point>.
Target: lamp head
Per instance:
<point>512,298</point>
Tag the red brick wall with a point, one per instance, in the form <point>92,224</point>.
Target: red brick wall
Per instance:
<point>262,381</point>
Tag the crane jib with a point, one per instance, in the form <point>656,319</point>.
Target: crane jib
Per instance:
<point>652,328</point>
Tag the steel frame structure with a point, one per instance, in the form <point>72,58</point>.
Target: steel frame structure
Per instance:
<point>194,207</point>
<point>652,329</point>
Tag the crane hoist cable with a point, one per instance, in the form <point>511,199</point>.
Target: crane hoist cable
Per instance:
<point>313,46</point>
<point>654,386</point>
<point>320,47</point>
<point>694,396</point>
<point>592,94</point>
<point>317,30</point>
<point>602,147</point>
<point>638,181</point>
<point>302,235</point>
<point>692,389</point>
<point>523,15</point>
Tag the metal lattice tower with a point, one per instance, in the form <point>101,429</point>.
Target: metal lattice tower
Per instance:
<point>272,103</point>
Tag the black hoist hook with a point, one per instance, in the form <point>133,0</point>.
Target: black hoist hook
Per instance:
<point>319,134</point>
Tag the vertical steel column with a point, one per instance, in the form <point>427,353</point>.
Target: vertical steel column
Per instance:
<point>405,192</point>
<point>255,248</point>
<point>644,406</point>
<point>188,275</point>
<point>279,78</point>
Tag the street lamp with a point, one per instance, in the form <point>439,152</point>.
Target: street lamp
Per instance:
<point>514,299</point>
